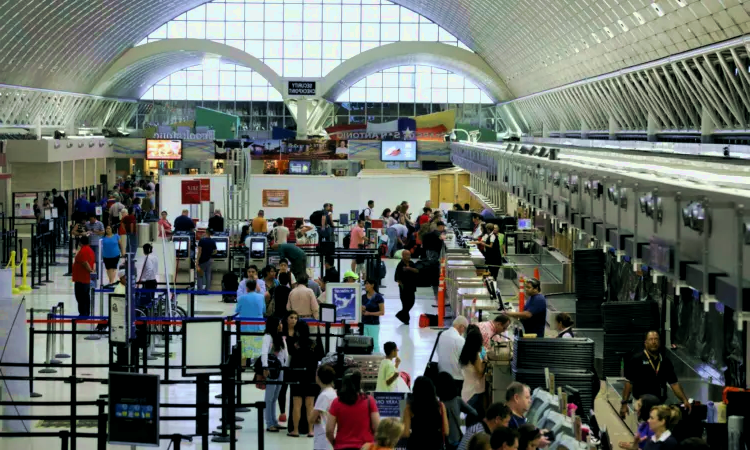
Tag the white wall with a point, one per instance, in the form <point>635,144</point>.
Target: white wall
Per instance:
<point>308,193</point>
<point>170,187</point>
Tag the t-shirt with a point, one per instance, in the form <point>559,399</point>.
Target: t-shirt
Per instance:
<point>291,252</point>
<point>260,225</point>
<point>216,223</point>
<point>401,230</point>
<point>129,223</point>
<point>516,421</point>
<point>644,378</point>
<point>353,428</point>
<point>110,246</point>
<point>96,226</point>
<point>408,279</point>
<point>372,305</point>
<point>537,306</point>
<point>332,276</point>
<point>183,223</point>
<point>385,372</point>
<point>431,241</point>
<point>282,233</point>
<point>357,237</point>
<point>326,397</point>
<point>207,246</point>
<point>251,305</point>
<point>80,274</point>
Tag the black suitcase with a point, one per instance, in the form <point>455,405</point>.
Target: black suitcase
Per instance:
<point>229,283</point>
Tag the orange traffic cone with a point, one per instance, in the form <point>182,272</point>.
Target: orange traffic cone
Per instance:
<point>536,273</point>
<point>521,293</point>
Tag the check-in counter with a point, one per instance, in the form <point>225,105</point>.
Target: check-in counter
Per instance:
<point>556,271</point>
<point>466,297</point>
<point>500,374</point>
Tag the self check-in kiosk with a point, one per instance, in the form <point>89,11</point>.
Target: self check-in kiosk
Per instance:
<point>258,250</point>
<point>183,244</point>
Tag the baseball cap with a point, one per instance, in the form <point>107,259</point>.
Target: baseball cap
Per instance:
<point>350,274</point>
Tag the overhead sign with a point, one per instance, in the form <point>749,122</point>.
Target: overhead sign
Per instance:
<point>191,192</point>
<point>134,409</point>
<point>205,190</point>
<point>301,88</point>
<point>390,404</point>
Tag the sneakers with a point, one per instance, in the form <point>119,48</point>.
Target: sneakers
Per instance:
<point>282,417</point>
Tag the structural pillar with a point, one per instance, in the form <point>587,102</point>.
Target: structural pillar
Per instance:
<point>584,130</point>
<point>545,130</point>
<point>62,176</point>
<point>302,104</point>
<point>614,128</point>
<point>707,127</point>
<point>652,127</point>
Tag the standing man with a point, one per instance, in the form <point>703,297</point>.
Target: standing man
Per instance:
<point>534,315</point>
<point>449,350</point>
<point>129,222</point>
<point>216,222</point>
<point>95,231</point>
<point>490,329</point>
<point>367,212</point>
<point>356,242</point>
<point>114,214</point>
<point>406,277</point>
<point>280,232</point>
<point>81,208</point>
<point>206,252</point>
<point>83,267</point>
<point>302,300</point>
<point>250,304</point>
<point>649,372</point>
<point>183,222</point>
<point>260,224</point>
<point>296,256</point>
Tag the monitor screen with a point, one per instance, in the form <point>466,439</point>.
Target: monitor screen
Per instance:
<point>180,245</point>
<point>524,224</point>
<point>257,246</point>
<point>299,167</point>
<point>398,151</point>
<point>221,246</point>
<point>164,149</point>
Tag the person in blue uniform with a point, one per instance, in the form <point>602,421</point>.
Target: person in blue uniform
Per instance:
<point>534,314</point>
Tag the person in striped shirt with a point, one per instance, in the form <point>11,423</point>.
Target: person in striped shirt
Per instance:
<point>497,415</point>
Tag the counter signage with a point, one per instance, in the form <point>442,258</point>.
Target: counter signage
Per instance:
<point>390,404</point>
<point>301,88</point>
<point>134,409</point>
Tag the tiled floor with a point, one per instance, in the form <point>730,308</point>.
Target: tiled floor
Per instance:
<point>414,343</point>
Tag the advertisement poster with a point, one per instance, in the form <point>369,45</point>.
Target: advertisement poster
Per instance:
<point>348,300</point>
<point>24,205</point>
<point>299,149</point>
<point>205,190</point>
<point>390,404</point>
<point>275,198</point>
<point>191,192</point>
<point>163,150</point>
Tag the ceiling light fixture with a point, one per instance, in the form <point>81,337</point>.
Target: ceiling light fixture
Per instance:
<point>658,10</point>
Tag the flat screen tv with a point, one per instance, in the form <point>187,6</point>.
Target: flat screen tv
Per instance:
<point>299,167</point>
<point>398,151</point>
<point>164,149</point>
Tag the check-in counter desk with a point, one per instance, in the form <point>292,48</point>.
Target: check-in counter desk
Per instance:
<point>499,374</point>
<point>555,270</point>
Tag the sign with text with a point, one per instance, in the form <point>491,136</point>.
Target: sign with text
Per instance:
<point>191,192</point>
<point>134,409</point>
<point>390,404</point>
<point>275,198</point>
<point>301,88</point>
<point>205,190</point>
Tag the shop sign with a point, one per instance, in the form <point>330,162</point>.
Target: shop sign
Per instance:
<point>205,190</point>
<point>191,192</point>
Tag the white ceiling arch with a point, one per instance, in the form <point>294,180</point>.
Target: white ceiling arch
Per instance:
<point>435,54</point>
<point>143,66</point>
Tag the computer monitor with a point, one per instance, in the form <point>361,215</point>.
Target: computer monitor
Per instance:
<point>299,167</point>
<point>541,402</point>
<point>257,248</point>
<point>343,219</point>
<point>353,215</point>
<point>221,246</point>
<point>556,422</point>
<point>180,245</point>
<point>524,224</point>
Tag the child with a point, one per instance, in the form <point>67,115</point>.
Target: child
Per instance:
<point>388,372</point>
<point>387,435</point>
<point>317,416</point>
<point>454,406</point>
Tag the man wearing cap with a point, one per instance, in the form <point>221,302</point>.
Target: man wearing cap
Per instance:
<point>350,277</point>
<point>534,315</point>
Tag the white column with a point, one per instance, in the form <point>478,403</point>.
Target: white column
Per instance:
<point>62,176</point>
<point>707,127</point>
<point>614,127</point>
<point>652,127</point>
<point>302,104</point>
<point>84,173</point>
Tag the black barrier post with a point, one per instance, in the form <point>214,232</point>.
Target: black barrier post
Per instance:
<point>327,342</point>
<point>73,382</point>
<point>53,250</point>
<point>65,437</point>
<point>192,303</point>
<point>49,251</point>
<point>166,352</point>
<point>32,394</point>
<point>201,407</point>
<point>101,440</point>
<point>260,406</point>
<point>70,258</point>
<point>237,360</point>
<point>176,441</point>
<point>33,259</point>
<point>228,426</point>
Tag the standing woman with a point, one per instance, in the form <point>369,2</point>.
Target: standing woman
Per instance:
<point>373,306</point>
<point>110,244</point>
<point>307,363</point>
<point>353,416</point>
<point>164,225</point>
<point>288,325</point>
<point>274,357</point>
<point>473,367</point>
<point>425,420</point>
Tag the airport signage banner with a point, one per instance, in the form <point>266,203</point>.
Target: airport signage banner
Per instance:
<point>205,190</point>
<point>275,198</point>
<point>191,192</point>
<point>301,88</point>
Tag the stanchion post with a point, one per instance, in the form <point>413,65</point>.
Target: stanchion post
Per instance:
<point>62,354</point>
<point>237,362</point>
<point>50,261</point>
<point>24,287</point>
<point>166,351</point>
<point>101,439</point>
<point>33,260</point>
<point>260,406</point>
<point>73,384</point>
<point>65,439</point>
<point>92,312</point>
<point>32,394</point>
<point>47,359</point>
<point>55,320</point>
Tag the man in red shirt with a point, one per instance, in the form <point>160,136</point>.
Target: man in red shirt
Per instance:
<point>83,267</point>
<point>424,218</point>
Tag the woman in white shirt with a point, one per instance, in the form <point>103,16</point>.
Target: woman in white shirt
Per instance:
<point>274,356</point>
<point>473,367</point>
<point>564,325</point>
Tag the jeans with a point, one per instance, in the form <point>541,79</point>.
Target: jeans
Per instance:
<point>271,397</point>
<point>132,246</point>
<point>374,332</point>
<point>83,297</point>
<point>324,234</point>
<point>204,281</point>
<point>392,241</point>
<point>476,402</point>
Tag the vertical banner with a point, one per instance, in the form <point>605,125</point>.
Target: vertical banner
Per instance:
<point>191,192</point>
<point>205,189</point>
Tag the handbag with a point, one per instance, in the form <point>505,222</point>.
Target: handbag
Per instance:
<point>432,370</point>
<point>274,366</point>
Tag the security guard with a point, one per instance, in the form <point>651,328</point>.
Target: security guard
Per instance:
<point>648,372</point>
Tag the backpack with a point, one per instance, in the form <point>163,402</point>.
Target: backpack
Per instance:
<point>362,215</point>
<point>316,218</point>
<point>347,240</point>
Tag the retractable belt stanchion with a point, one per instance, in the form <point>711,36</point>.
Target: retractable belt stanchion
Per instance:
<point>62,354</point>
<point>32,394</point>
<point>34,258</point>
<point>12,266</point>
<point>55,323</point>
<point>70,258</point>
<point>240,369</point>
<point>48,357</point>
<point>24,287</point>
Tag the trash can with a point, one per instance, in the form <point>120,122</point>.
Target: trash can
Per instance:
<point>143,232</point>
